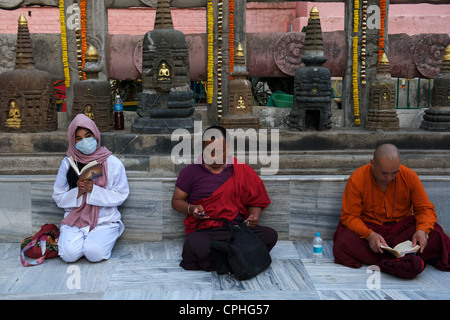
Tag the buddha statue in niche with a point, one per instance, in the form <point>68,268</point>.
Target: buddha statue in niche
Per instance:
<point>13,120</point>
<point>164,73</point>
<point>89,112</point>
<point>241,103</point>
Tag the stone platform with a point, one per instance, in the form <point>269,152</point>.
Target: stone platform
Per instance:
<point>306,197</point>
<point>333,152</point>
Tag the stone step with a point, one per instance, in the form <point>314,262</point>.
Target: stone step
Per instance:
<point>126,142</point>
<point>333,162</point>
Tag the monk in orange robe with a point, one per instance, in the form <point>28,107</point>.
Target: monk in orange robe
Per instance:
<point>384,203</point>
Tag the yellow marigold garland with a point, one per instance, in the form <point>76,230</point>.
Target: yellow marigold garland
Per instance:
<point>355,63</point>
<point>210,67</point>
<point>65,57</point>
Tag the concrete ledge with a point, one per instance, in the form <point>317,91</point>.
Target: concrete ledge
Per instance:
<point>301,205</point>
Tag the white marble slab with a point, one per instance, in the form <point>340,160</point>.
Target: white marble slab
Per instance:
<point>150,271</point>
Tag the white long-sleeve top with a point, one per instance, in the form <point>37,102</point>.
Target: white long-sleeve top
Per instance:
<point>106,198</point>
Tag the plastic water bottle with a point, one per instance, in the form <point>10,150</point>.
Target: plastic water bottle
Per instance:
<point>118,114</point>
<point>317,249</point>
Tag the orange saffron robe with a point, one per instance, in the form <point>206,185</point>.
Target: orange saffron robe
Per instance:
<point>364,201</point>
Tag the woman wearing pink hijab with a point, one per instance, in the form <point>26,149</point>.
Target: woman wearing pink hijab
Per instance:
<point>92,222</point>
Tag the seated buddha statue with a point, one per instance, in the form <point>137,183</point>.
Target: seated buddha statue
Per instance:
<point>14,120</point>
<point>88,112</point>
<point>241,103</point>
<point>164,73</point>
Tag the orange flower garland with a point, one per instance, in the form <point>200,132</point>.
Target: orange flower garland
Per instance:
<point>231,37</point>
<point>83,34</point>
<point>382,23</point>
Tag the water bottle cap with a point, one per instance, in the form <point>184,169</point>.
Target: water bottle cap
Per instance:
<point>317,234</point>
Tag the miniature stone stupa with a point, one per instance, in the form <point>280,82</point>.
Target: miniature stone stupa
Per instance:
<point>240,97</point>
<point>27,96</point>
<point>437,117</point>
<point>167,101</point>
<point>312,84</point>
<point>93,96</point>
<point>382,114</point>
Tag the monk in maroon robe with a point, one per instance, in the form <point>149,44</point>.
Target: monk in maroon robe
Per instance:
<point>218,187</point>
<point>384,203</point>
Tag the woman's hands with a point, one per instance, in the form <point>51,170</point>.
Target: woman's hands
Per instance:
<point>84,186</point>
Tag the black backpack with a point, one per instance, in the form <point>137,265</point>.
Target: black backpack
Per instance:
<point>243,255</point>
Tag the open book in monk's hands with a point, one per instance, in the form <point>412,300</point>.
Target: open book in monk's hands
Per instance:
<point>402,248</point>
<point>90,171</point>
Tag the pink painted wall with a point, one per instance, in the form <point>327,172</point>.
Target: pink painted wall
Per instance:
<point>274,17</point>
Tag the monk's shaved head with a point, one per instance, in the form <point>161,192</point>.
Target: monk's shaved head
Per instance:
<point>386,151</point>
<point>385,164</point>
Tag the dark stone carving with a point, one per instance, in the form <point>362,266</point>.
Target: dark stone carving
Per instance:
<point>166,102</point>
<point>437,118</point>
<point>27,97</point>
<point>288,52</point>
<point>240,97</point>
<point>312,84</point>
<point>428,54</point>
<point>93,96</point>
<point>382,114</point>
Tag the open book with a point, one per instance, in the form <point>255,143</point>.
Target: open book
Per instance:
<point>90,171</point>
<point>402,248</point>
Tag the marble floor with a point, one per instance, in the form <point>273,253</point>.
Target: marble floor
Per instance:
<point>149,270</point>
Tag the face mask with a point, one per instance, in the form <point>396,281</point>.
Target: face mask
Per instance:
<point>87,146</point>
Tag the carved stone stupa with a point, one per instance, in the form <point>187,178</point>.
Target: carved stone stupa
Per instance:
<point>437,117</point>
<point>240,97</point>
<point>382,114</point>
<point>167,101</point>
<point>27,96</point>
<point>93,96</point>
<point>312,84</point>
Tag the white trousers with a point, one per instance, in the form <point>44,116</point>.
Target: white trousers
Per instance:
<point>95,245</point>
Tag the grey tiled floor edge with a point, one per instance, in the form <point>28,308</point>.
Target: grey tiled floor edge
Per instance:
<point>150,270</point>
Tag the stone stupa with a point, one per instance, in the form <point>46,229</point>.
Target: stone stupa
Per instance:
<point>27,96</point>
<point>167,101</point>
<point>437,117</point>
<point>312,85</point>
